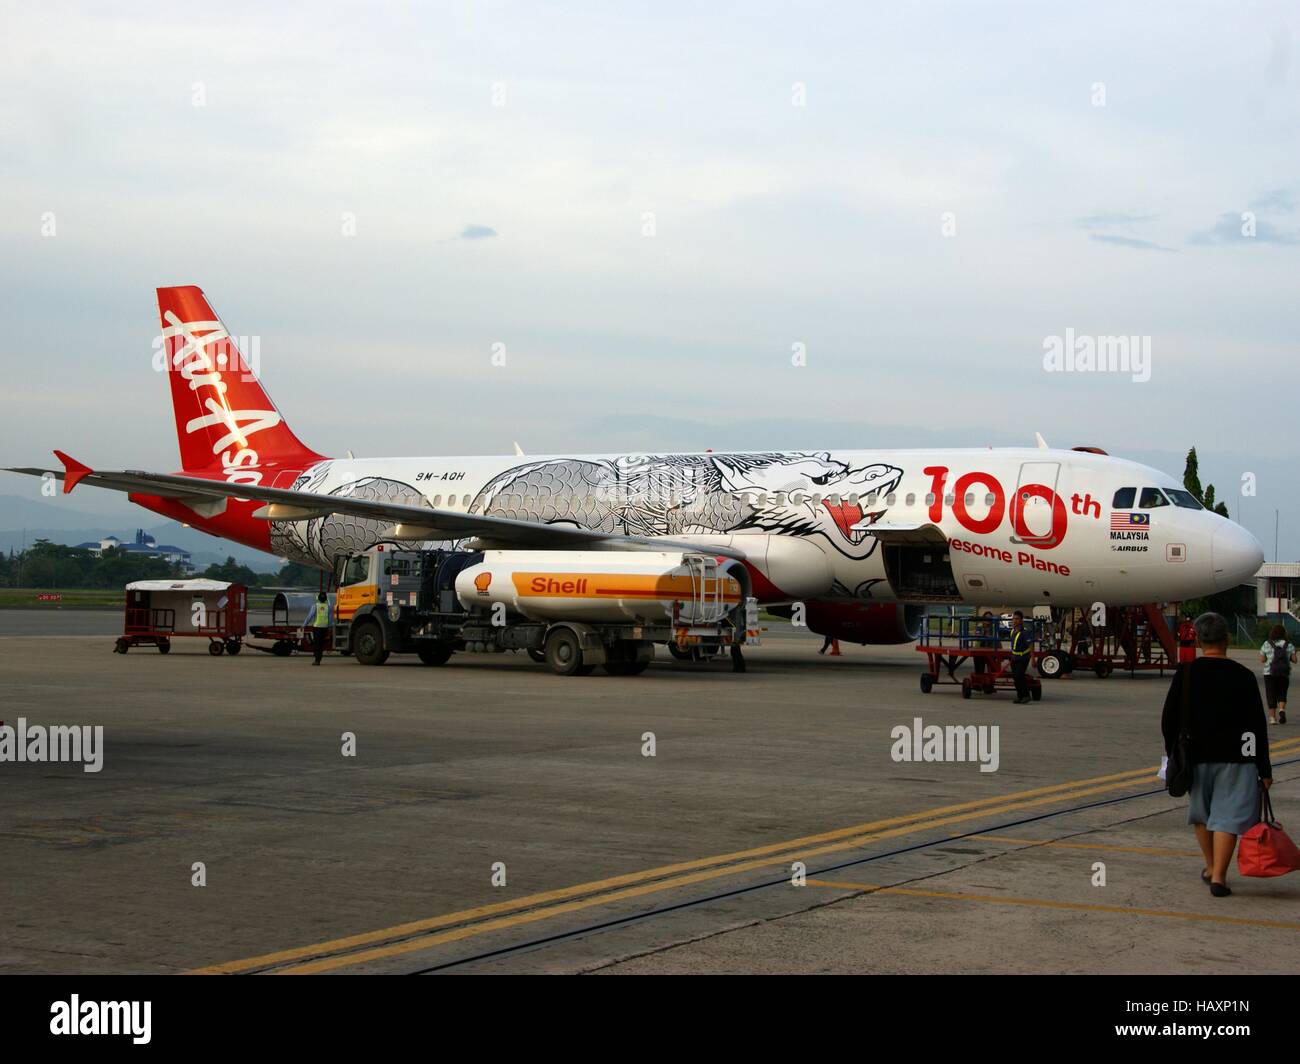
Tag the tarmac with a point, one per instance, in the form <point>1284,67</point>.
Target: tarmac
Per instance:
<point>493,817</point>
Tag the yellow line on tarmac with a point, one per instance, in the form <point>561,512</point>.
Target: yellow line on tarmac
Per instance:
<point>414,927</point>
<point>607,889</point>
<point>1045,903</point>
<point>425,942</point>
<point>1155,851</point>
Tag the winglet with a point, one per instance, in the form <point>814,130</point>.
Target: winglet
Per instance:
<point>73,471</point>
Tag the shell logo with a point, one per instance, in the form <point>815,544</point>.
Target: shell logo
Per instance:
<point>481,583</point>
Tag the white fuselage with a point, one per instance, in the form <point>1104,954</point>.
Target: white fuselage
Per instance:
<point>976,526</point>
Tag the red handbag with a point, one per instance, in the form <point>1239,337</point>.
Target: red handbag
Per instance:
<point>1265,850</point>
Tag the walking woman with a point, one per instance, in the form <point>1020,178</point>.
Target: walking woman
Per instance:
<point>1277,657</point>
<point>1228,749</point>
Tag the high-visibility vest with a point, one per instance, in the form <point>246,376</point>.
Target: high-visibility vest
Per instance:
<point>322,616</point>
<point>1021,644</point>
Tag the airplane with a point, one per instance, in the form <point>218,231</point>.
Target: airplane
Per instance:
<point>864,540</point>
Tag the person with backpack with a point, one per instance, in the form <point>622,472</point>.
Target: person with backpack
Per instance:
<point>1278,656</point>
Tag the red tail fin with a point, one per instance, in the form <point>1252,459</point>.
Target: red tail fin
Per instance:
<point>225,422</point>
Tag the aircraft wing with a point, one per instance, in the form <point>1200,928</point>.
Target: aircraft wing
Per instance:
<point>209,497</point>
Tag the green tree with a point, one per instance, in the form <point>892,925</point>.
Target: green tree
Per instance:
<point>232,572</point>
<point>295,574</point>
<point>1192,474</point>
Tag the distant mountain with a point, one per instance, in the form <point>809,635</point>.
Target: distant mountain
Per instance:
<point>17,511</point>
<point>204,550</point>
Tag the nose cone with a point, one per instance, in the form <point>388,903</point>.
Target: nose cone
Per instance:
<point>1235,556</point>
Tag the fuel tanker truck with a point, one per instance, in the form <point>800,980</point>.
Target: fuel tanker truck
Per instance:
<point>573,610</point>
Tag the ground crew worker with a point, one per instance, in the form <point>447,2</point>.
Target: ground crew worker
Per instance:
<point>1022,646</point>
<point>1186,640</point>
<point>319,623</point>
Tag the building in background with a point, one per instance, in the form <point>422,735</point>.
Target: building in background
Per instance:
<point>144,545</point>
<point>1277,588</point>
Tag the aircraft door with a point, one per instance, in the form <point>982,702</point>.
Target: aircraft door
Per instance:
<point>1038,515</point>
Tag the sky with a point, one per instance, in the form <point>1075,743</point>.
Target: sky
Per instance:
<point>685,226</point>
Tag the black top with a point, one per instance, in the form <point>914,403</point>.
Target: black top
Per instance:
<point>1225,704</point>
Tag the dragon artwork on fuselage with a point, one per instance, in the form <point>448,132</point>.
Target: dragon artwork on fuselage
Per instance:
<point>802,494</point>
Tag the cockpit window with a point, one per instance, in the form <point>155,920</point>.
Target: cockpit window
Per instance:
<point>1124,499</point>
<point>1151,498</point>
<point>1185,499</point>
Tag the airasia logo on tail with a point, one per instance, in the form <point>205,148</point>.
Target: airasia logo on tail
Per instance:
<point>199,351</point>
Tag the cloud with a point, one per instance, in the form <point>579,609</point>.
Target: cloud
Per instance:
<point>1228,230</point>
<point>1105,221</point>
<point>1278,199</point>
<point>477,232</point>
<point>1129,242</point>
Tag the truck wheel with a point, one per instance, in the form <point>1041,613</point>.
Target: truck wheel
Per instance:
<point>927,682</point>
<point>164,646</point>
<point>680,653</point>
<point>538,656</point>
<point>564,652</point>
<point>1102,669</point>
<point>282,648</point>
<point>1051,665</point>
<point>216,648</point>
<point>368,644</point>
<point>122,645</point>
<point>434,653</point>
<point>233,647</point>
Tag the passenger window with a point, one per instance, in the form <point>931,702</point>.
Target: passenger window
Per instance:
<point>970,498</point>
<point>890,499</point>
<point>1124,499</point>
<point>929,499</point>
<point>911,499</point>
<point>1151,498</point>
<point>437,500</point>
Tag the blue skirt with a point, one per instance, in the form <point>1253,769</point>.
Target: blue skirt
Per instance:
<point>1224,796</point>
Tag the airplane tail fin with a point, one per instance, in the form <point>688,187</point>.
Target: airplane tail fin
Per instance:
<point>225,421</point>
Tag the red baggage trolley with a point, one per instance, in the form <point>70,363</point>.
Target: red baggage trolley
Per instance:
<point>158,611</point>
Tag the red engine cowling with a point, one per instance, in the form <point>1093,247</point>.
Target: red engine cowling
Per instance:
<point>874,623</point>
